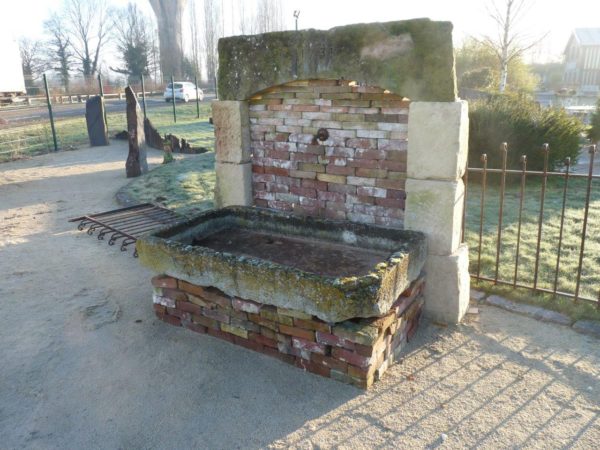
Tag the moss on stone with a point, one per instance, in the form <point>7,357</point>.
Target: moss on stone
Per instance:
<point>413,58</point>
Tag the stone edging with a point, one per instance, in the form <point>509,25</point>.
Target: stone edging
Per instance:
<point>588,327</point>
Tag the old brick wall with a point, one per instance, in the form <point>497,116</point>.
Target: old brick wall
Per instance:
<point>357,174</point>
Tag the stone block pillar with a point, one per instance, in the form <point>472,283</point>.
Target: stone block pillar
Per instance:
<point>232,154</point>
<point>438,138</point>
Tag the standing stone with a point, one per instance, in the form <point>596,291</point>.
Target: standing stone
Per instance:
<point>136,160</point>
<point>153,137</point>
<point>96,124</point>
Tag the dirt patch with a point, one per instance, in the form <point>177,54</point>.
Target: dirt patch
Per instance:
<point>497,381</point>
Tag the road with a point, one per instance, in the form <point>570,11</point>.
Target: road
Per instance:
<point>15,116</point>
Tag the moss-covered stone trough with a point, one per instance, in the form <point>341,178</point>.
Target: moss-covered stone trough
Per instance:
<point>208,251</point>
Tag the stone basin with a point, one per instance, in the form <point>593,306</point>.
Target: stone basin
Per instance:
<point>330,269</point>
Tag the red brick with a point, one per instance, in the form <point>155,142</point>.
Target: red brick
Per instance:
<point>189,307</point>
<point>174,294</point>
<point>311,346</point>
<point>264,178</point>
<point>216,296</point>
<point>263,322</point>
<point>362,143</point>
<point>335,214</point>
<point>196,328</point>
<point>312,367</point>
<point>369,154</point>
<point>259,186</point>
<point>207,322</point>
<point>351,357</point>
<point>164,281</point>
<point>315,184</point>
<point>216,314</point>
<point>337,206</point>
<point>251,345</point>
<point>159,309</point>
<point>330,362</point>
<point>331,196</point>
<point>304,157</point>
<point>170,320</point>
<point>268,333</point>
<point>341,188</point>
<point>277,154</point>
<point>288,181</point>
<point>363,163</point>
<point>396,166</point>
<point>289,359</point>
<point>371,173</point>
<point>297,332</point>
<point>261,203</point>
<point>331,339</point>
<point>221,335</point>
<point>304,192</point>
<point>262,339</point>
<point>390,202</point>
<point>339,170</point>
<point>257,169</point>
<point>277,171</point>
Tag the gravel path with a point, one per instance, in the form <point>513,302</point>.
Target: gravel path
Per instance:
<point>85,365</point>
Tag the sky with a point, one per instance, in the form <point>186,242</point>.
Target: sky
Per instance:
<point>553,19</point>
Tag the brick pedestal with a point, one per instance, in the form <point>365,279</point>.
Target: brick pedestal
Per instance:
<point>356,351</point>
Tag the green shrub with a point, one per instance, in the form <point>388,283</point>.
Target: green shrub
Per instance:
<point>525,127</point>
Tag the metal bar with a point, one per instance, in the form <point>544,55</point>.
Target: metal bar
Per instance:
<point>546,150</point>
<point>481,212</point>
<point>522,286</point>
<point>173,98</point>
<point>143,95</point>
<point>504,151</point>
<point>197,97</point>
<point>464,217</point>
<point>521,201</point>
<point>534,172</point>
<point>592,152</point>
<point>50,113</point>
<point>562,222</point>
<point>115,211</point>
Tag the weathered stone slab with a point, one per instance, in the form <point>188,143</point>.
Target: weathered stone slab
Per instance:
<point>413,58</point>
<point>590,327</point>
<point>233,185</point>
<point>535,312</point>
<point>232,131</point>
<point>96,123</point>
<point>136,163</point>
<point>477,295</point>
<point>438,140</point>
<point>436,209</point>
<point>447,286</point>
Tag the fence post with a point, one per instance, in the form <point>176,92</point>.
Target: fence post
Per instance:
<point>197,98</point>
<point>173,98</point>
<point>143,95</point>
<point>50,113</point>
<point>102,96</point>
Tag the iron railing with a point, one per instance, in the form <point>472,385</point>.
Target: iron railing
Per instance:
<point>549,246</point>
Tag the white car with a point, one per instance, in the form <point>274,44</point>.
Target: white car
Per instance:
<point>184,90</point>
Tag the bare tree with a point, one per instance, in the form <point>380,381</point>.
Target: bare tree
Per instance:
<point>58,49</point>
<point>132,31</point>
<point>169,15</point>
<point>32,60</point>
<point>510,43</point>
<point>269,16</point>
<point>196,46</point>
<point>212,32</point>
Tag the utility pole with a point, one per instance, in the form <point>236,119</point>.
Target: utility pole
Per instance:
<point>296,15</point>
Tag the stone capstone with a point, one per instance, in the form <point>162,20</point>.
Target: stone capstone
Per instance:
<point>136,163</point>
<point>413,58</point>
<point>96,123</point>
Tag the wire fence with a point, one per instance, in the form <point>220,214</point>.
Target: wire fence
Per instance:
<point>29,125</point>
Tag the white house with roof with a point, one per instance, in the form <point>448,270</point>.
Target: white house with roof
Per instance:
<point>582,60</point>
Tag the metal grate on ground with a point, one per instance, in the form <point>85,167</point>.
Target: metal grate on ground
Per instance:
<point>126,224</point>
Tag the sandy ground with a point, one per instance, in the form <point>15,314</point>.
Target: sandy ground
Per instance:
<point>85,365</point>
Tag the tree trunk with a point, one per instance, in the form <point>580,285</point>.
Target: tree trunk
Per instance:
<point>169,15</point>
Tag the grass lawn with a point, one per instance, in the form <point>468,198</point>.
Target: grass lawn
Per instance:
<point>71,133</point>
<point>571,241</point>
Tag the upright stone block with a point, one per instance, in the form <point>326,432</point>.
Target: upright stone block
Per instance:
<point>447,287</point>
<point>438,136</point>
<point>436,209</point>
<point>96,124</point>
<point>136,159</point>
<point>232,131</point>
<point>234,184</point>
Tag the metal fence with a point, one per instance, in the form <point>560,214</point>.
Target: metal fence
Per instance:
<point>544,249</point>
<point>52,121</point>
